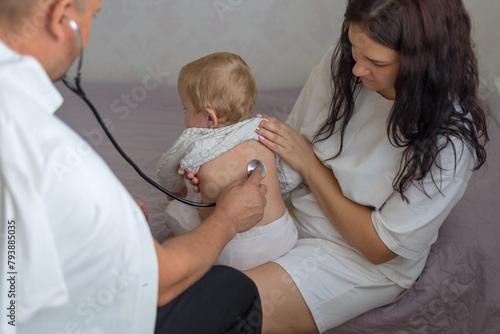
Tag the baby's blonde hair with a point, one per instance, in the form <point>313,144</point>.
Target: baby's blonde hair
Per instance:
<point>223,82</point>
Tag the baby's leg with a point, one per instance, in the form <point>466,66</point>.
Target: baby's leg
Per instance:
<point>181,218</point>
<point>260,244</point>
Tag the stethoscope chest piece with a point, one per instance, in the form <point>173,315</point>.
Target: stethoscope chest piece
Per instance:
<point>254,164</point>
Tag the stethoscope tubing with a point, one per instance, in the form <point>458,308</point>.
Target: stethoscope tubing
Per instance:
<point>77,89</point>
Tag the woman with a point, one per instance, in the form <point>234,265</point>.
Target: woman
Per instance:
<point>386,133</point>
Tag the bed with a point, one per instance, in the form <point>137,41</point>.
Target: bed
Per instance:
<point>459,289</point>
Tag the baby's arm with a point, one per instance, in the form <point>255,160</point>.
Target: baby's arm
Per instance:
<point>168,172</point>
<point>182,193</point>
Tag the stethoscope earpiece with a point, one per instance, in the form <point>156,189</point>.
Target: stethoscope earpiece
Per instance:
<point>74,26</point>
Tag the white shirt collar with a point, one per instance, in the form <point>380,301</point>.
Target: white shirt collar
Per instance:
<point>26,74</point>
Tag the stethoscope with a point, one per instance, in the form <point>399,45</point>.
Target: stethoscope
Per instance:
<point>77,89</point>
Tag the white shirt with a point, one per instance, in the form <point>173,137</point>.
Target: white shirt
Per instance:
<point>365,171</point>
<point>84,258</point>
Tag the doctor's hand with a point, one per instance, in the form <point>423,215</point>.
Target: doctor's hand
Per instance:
<point>242,203</point>
<point>287,143</point>
<point>142,205</point>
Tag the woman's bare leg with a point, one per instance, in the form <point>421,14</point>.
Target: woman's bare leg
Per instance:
<point>283,307</point>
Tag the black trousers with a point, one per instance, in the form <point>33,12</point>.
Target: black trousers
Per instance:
<point>224,301</point>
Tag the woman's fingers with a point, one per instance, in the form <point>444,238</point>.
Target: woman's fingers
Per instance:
<point>268,139</point>
<point>273,133</point>
<point>278,136</point>
<point>272,124</point>
<point>286,142</point>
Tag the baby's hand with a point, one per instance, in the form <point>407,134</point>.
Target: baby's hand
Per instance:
<point>191,178</point>
<point>182,193</point>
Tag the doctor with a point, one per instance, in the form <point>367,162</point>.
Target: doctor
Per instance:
<point>77,251</point>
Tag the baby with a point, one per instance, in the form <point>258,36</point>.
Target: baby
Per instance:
<point>219,93</point>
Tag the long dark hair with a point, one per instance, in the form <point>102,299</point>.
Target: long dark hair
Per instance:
<point>436,86</point>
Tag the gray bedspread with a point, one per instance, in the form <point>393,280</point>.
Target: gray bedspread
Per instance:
<point>458,291</point>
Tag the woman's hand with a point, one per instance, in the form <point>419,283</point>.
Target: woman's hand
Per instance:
<point>287,143</point>
<point>191,178</point>
<point>349,218</point>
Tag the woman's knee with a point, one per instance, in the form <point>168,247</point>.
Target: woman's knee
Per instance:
<point>283,307</point>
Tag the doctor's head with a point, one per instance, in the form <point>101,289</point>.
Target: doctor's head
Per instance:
<point>40,28</point>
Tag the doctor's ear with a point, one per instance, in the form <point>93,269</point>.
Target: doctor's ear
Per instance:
<point>57,24</point>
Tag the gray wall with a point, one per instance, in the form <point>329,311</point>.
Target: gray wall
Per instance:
<point>280,39</point>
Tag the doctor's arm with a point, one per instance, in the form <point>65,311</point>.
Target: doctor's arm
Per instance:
<point>185,259</point>
<point>349,218</point>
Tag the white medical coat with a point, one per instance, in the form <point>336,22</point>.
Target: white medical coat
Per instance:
<point>83,255</point>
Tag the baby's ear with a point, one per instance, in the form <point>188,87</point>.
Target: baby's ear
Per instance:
<point>212,120</point>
